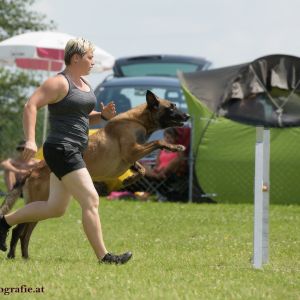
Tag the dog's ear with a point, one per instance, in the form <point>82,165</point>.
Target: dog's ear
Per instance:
<point>152,100</point>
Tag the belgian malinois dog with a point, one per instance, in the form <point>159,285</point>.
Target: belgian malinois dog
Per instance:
<point>111,151</point>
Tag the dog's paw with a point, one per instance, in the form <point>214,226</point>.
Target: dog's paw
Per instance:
<point>142,171</point>
<point>177,148</point>
<point>137,167</point>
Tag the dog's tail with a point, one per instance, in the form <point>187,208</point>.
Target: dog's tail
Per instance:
<point>12,196</point>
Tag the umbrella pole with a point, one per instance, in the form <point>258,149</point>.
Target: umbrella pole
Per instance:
<point>45,124</point>
<point>261,199</point>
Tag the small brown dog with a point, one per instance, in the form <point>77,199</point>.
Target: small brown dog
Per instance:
<point>111,151</point>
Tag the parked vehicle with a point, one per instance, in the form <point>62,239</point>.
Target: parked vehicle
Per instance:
<point>133,76</point>
<point>158,65</point>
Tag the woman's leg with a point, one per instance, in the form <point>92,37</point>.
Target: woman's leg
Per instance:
<point>80,185</point>
<point>55,206</point>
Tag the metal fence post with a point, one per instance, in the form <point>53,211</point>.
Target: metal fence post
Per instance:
<point>191,162</point>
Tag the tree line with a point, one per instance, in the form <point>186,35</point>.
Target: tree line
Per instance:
<point>17,17</point>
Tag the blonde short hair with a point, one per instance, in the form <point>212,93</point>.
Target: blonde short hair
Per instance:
<point>77,46</point>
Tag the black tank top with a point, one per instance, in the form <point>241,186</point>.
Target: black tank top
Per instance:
<point>69,118</point>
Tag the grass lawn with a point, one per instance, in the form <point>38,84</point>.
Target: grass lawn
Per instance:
<point>181,251</point>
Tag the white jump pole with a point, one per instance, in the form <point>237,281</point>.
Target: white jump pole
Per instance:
<point>261,197</point>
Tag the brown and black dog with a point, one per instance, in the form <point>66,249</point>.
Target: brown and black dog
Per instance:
<point>111,151</point>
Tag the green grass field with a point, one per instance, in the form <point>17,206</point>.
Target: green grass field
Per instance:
<point>181,251</point>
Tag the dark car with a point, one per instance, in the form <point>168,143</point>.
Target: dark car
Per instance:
<point>133,76</point>
<point>158,65</point>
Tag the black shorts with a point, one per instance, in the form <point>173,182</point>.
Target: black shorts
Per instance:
<point>63,158</point>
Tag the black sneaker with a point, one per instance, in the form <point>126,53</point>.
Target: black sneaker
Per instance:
<point>110,258</point>
<point>3,235</point>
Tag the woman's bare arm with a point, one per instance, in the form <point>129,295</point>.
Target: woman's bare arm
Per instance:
<point>51,91</point>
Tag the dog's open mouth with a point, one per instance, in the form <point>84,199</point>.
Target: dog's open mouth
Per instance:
<point>176,123</point>
<point>179,121</point>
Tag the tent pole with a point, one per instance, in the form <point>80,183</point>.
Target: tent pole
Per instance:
<point>191,163</point>
<point>261,197</point>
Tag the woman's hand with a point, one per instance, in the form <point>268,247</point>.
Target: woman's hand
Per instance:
<point>108,111</point>
<point>29,151</point>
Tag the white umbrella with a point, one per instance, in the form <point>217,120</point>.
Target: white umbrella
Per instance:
<point>44,50</point>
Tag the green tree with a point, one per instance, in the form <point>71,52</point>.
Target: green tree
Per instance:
<point>16,17</point>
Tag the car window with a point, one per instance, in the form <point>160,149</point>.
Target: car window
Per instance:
<point>157,69</point>
<point>127,97</point>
